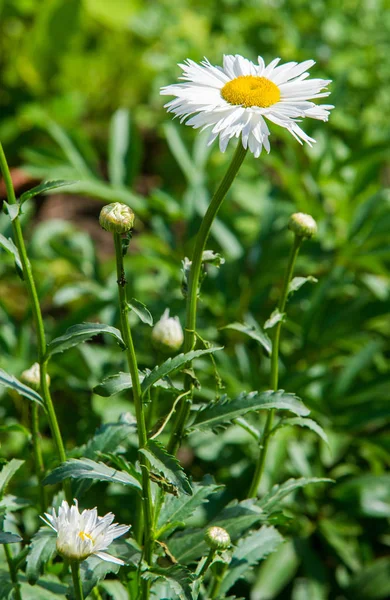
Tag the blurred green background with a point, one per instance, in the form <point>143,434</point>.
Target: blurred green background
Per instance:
<point>79,100</point>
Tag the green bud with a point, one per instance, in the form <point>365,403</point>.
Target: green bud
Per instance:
<point>31,376</point>
<point>167,333</point>
<point>302,225</point>
<point>116,218</point>
<point>217,538</point>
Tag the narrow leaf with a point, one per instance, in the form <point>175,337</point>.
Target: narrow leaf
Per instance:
<point>297,282</point>
<point>225,410</point>
<point>7,472</point>
<point>141,311</point>
<point>89,469</point>
<point>173,364</point>
<point>249,551</point>
<point>10,247</point>
<point>271,501</point>
<point>275,318</point>
<point>45,186</point>
<point>304,422</point>
<point>10,381</point>
<point>9,538</point>
<point>168,465</point>
<point>77,334</point>
<point>11,209</point>
<point>254,332</point>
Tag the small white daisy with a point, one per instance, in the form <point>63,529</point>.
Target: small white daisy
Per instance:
<point>81,534</point>
<point>234,100</point>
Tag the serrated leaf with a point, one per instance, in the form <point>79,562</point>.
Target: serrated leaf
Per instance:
<point>248,552</point>
<point>173,364</point>
<point>89,469</point>
<point>77,334</point>
<point>94,570</point>
<point>223,411</point>
<point>297,282</point>
<point>9,538</point>
<point>278,492</point>
<point>9,381</point>
<point>106,439</point>
<point>7,472</point>
<point>10,247</point>
<point>45,186</point>
<point>13,503</point>
<point>141,311</point>
<point>304,422</point>
<point>254,332</point>
<point>178,578</point>
<point>180,509</point>
<point>236,518</point>
<point>115,590</point>
<point>42,549</point>
<point>168,465</point>
<point>122,381</point>
<point>276,317</point>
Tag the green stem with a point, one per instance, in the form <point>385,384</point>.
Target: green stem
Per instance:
<point>274,379</point>
<point>37,317</point>
<point>139,409</point>
<point>193,285</point>
<point>206,564</point>
<point>78,588</point>
<point>37,451</point>
<point>12,571</point>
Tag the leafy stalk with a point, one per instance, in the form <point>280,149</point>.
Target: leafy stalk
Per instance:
<point>147,501</point>
<point>264,441</point>
<point>78,588</point>
<point>193,287</point>
<point>37,317</point>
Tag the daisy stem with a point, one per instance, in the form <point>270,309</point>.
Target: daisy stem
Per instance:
<point>37,317</point>
<point>12,571</point>
<point>193,286</point>
<point>274,378</point>
<point>77,585</point>
<point>139,407</point>
<point>37,451</point>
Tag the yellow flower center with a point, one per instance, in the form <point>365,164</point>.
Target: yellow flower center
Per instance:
<point>84,535</point>
<point>248,91</point>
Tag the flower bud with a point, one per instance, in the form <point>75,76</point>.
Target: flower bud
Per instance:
<point>167,333</point>
<point>116,218</point>
<point>217,538</point>
<point>302,225</point>
<point>32,376</point>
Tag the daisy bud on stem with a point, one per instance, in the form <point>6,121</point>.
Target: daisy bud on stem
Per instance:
<point>303,226</point>
<point>119,219</point>
<point>217,538</point>
<point>167,334</point>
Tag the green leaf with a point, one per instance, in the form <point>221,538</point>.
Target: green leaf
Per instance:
<point>173,364</point>
<point>167,465</point>
<point>275,318</point>
<point>10,247</point>
<point>42,549</point>
<point>122,381</point>
<point>9,538</point>
<point>115,590</point>
<point>7,472</point>
<point>278,492</point>
<point>180,508</point>
<point>9,381</point>
<point>119,144</point>
<point>5,585</point>
<point>141,311</point>
<point>297,282</point>
<point>368,495</point>
<point>304,422</point>
<point>255,332</point>
<point>177,577</point>
<point>371,582</point>
<point>47,588</point>
<point>11,209</point>
<point>94,570</point>
<point>77,334</point>
<point>275,573</point>
<point>223,411</point>
<point>45,186</point>
<point>236,518</point>
<point>106,439</point>
<point>248,552</point>
<point>89,469</point>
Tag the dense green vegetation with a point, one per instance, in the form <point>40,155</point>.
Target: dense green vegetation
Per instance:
<point>79,101</point>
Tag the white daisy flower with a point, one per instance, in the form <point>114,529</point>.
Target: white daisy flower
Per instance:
<point>81,534</point>
<point>236,99</point>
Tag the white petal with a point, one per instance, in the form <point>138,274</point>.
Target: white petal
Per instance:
<point>109,558</point>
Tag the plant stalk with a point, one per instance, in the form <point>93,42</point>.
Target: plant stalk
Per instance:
<point>37,451</point>
<point>37,317</point>
<point>12,571</point>
<point>78,588</point>
<point>193,286</point>
<point>147,501</point>
<point>274,378</point>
